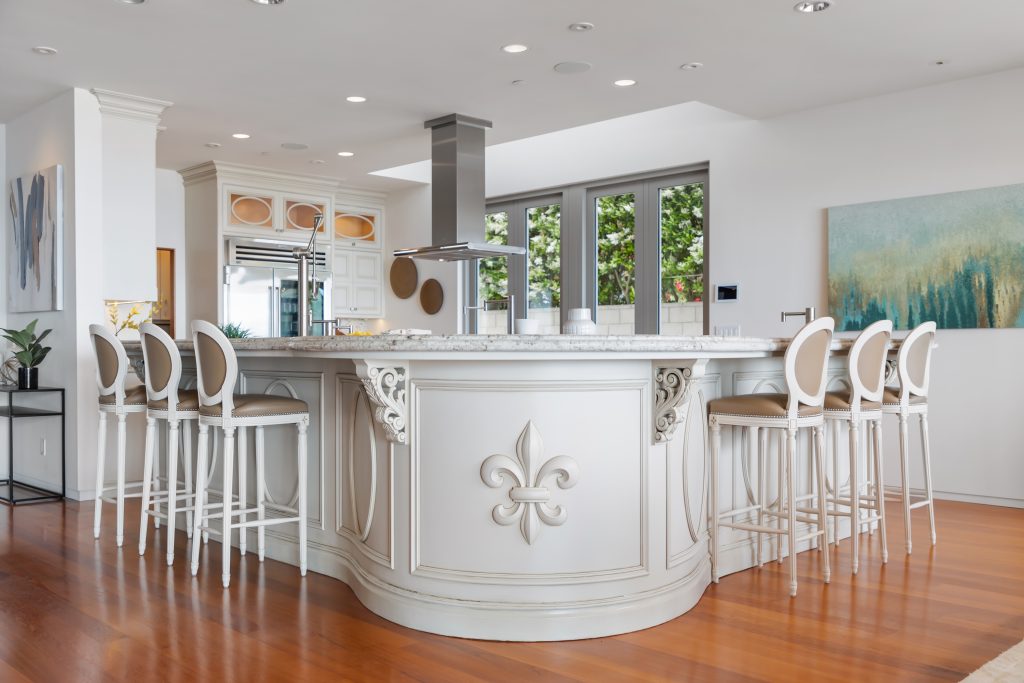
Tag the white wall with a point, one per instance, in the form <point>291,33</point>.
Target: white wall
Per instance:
<point>408,225</point>
<point>65,130</point>
<point>170,234</point>
<point>770,184</point>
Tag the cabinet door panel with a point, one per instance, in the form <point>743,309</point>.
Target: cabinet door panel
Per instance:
<point>367,267</point>
<point>366,298</point>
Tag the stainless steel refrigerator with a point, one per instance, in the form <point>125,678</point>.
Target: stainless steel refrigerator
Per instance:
<point>261,289</point>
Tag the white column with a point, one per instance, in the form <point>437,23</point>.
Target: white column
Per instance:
<point>129,129</point>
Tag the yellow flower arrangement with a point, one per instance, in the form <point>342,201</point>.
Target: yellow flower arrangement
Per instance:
<point>132,320</point>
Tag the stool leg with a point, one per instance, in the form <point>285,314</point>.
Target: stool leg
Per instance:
<point>208,474</point>
<point>819,461</point>
<point>928,474</point>
<point>225,540</point>
<point>122,445</point>
<point>243,486</point>
<point>716,445</point>
<point>261,483</point>
<point>147,481</point>
<point>762,484</point>
<point>905,474</point>
<point>156,479</point>
<point>302,497</point>
<point>186,458</point>
<point>835,481</point>
<point>200,513</point>
<point>778,496</point>
<point>172,486</point>
<point>876,433</point>
<point>791,506</point>
<point>854,428</point>
<point>101,452</point>
<point>869,478</point>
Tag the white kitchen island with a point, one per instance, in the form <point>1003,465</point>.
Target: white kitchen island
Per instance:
<point>511,488</point>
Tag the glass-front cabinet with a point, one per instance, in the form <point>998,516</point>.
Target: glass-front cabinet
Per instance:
<point>254,212</point>
<point>357,228</point>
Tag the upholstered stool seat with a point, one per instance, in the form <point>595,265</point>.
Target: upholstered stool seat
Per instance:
<point>188,402</point>
<point>841,401</point>
<point>135,396</point>
<point>892,398</point>
<point>759,405</point>
<point>259,405</point>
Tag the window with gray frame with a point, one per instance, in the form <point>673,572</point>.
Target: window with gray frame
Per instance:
<point>633,250</point>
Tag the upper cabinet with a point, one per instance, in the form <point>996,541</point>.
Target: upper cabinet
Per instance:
<point>250,211</point>
<point>357,228</point>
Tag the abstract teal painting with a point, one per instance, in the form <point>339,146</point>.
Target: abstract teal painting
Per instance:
<point>35,242</point>
<point>955,258</point>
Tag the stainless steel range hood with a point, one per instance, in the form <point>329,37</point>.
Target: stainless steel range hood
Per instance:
<point>457,193</point>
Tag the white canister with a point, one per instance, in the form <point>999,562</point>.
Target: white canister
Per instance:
<point>527,326</point>
<point>579,322</point>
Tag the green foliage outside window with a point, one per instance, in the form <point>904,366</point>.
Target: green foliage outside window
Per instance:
<point>682,250</point>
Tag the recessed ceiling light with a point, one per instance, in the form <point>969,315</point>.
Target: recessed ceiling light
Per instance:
<point>625,82</point>
<point>355,98</point>
<point>346,154</point>
<point>133,2</point>
<point>294,145</point>
<point>44,50</point>
<point>811,7</point>
<point>212,145</point>
<point>240,136</point>
<point>581,26</point>
<point>514,48</point>
<point>690,66</point>
<point>317,161</point>
<point>268,2</point>
<point>572,67</point>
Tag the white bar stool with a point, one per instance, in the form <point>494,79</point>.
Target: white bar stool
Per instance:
<point>861,406</point>
<point>806,362</point>
<point>115,399</point>
<point>217,373</point>
<point>913,366</point>
<point>165,401</point>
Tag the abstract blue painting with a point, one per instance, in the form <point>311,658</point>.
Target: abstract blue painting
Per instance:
<point>35,242</point>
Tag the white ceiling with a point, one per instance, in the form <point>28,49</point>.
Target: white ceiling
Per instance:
<point>281,73</point>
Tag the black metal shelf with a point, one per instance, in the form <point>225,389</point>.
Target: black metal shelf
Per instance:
<point>17,490</point>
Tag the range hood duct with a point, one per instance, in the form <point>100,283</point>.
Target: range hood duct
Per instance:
<point>457,193</point>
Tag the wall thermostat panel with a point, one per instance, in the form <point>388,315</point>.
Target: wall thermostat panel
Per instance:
<point>727,293</point>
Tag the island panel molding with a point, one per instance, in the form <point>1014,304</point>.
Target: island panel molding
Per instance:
<point>565,557</point>
<point>360,446</point>
<point>673,386</point>
<point>386,388</point>
<point>529,495</point>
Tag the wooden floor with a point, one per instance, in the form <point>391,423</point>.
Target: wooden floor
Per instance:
<point>72,609</point>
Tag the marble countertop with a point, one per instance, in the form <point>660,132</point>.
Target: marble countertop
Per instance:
<point>511,345</point>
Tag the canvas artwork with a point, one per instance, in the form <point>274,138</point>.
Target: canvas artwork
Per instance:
<point>955,258</point>
<point>35,242</point>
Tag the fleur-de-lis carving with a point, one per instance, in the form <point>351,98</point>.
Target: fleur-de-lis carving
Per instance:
<point>529,496</point>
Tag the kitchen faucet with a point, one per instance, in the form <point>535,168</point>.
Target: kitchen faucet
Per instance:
<point>304,256</point>
<point>807,313</point>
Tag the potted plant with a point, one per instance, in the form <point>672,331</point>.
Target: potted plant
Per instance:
<point>29,352</point>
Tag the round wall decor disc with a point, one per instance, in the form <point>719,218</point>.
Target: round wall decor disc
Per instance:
<point>431,296</point>
<point>404,277</point>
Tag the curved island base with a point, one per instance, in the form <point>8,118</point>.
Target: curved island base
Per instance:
<point>511,488</point>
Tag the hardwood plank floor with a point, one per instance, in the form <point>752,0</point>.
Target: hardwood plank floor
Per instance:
<point>72,609</point>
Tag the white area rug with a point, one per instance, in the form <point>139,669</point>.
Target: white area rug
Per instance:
<point>1005,668</point>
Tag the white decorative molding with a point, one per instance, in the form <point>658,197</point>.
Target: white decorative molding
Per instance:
<point>266,179</point>
<point>673,387</point>
<point>528,494</point>
<point>131,107</point>
<point>386,388</point>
